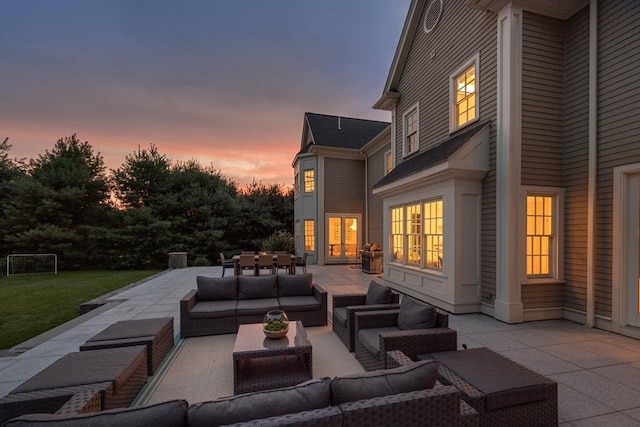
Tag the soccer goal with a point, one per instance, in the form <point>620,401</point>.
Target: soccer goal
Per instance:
<point>32,264</point>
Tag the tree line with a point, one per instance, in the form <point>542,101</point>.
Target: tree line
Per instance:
<point>66,202</point>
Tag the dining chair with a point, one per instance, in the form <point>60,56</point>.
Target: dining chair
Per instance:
<point>247,262</point>
<point>302,262</point>
<point>283,261</point>
<point>265,262</point>
<point>225,263</point>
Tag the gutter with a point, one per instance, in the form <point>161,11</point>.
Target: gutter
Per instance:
<point>593,162</point>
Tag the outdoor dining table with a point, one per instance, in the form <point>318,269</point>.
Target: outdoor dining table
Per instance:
<point>236,264</point>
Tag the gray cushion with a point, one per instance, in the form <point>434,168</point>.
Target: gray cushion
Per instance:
<point>88,367</point>
<point>217,288</point>
<point>340,316</point>
<point>257,306</point>
<point>295,285</point>
<point>213,309</point>
<point>415,376</point>
<point>504,383</point>
<point>370,338</point>
<point>378,294</point>
<point>310,395</point>
<point>133,329</point>
<point>299,303</point>
<point>416,315</point>
<point>169,414</point>
<point>257,287</point>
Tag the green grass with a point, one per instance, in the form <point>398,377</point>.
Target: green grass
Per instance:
<point>33,304</point>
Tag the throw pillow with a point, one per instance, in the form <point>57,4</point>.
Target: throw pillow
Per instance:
<point>414,376</point>
<point>295,285</point>
<point>260,287</point>
<point>170,414</point>
<point>416,315</point>
<point>310,395</point>
<point>216,288</point>
<point>378,294</point>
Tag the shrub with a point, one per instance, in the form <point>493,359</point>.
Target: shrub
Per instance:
<point>279,241</point>
<point>201,261</point>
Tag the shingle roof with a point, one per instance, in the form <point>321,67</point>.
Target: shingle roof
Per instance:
<point>436,155</point>
<point>352,133</point>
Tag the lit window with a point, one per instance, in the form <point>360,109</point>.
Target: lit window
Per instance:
<point>433,235</point>
<point>397,234</point>
<point>411,140</point>
<point>388,162</point>
<point>414,234</point>
<point>309,181</point>
<point>464,96</point>
<point>540,235</point>
<point>309,235</point>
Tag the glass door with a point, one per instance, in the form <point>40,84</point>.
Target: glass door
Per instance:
<point>342,238</point>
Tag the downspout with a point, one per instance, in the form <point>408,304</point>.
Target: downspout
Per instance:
<point>593,162</point>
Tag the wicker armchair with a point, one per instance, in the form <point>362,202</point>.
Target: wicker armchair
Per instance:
<point>384,324</point>
<point>345,307</point>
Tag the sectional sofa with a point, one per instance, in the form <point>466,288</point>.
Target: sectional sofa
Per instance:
<point>220,305</point>
<point>408,395</point>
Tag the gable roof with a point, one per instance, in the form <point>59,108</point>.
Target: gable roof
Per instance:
<point>341,132</point>
<point>434,156</point>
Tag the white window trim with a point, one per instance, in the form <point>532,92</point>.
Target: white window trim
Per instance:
<point>557,260</point>
<point>453,127</point>
<point>405,147</point>
<point>390,154</point>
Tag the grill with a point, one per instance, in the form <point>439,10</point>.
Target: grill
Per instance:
<point>371,255</point>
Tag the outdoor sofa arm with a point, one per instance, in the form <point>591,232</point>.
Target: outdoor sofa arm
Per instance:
<point>375,319</point>
<point>345,300</point>
<point>413,342</point>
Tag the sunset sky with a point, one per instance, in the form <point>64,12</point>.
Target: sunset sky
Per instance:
<point>225,82</point>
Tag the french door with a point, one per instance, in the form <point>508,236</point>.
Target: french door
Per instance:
<point>343,240</point>
<point>633,252</point>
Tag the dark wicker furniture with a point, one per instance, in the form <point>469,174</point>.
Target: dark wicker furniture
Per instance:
<point>261,363</point>
<point>81,382</point>
<point>384,325</point>
<point>297,295</point>
<point>501,390</point>
<point>345,307</point>
<point>156,334</point>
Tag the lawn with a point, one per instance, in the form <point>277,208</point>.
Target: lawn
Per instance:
<point>33,304</point>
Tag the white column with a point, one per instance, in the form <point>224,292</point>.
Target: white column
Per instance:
<point>508,303</point>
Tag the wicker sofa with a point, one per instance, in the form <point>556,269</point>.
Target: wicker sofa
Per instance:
<point>220,305</point>
<point>408,395</point>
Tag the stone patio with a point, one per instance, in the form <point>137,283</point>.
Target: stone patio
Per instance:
<point>598,372</point>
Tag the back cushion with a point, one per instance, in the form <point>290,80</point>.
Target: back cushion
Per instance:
<point>416,315</point>
<point>310,395</point>
<point>216,288</point>
<point>169,414</point>
<point>257,287</point>
<point>414,376</point>
<point>295,285</point>
<point>378,294</point>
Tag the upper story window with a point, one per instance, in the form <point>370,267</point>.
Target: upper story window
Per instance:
<point>309,181</point>
<point>410,121</point>
<point>543,233</point>
<point>388,162</point>
<point>464,94</point>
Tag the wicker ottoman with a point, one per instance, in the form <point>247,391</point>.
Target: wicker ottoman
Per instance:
<point>501,390</point>
<point>81,382</point>
<point>156,334</point>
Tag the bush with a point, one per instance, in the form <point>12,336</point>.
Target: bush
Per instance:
<point>201,261</point>
<point>279,241</point>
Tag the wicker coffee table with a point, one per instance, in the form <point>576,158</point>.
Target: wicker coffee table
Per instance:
<point>261,363</point>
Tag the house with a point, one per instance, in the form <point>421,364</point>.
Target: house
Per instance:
<point>330,186</point>
<point>514,187</point>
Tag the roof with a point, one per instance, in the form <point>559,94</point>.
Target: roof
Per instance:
<point>436,155</point>
<point>342,132</point>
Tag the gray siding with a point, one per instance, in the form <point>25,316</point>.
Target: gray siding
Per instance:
<point>344,181</point>
<point>618,125</point>
<point>426,80</point>
<point>375,172</point>
<point>542,296</point>
<point>575,159</point>
<point>542,100</point>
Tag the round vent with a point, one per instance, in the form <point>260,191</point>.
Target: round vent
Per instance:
<point>431,18</point>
